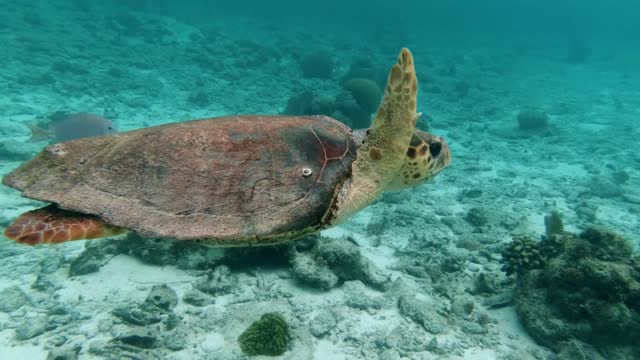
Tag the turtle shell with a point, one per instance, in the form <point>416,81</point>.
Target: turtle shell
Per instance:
<point>231,181</point>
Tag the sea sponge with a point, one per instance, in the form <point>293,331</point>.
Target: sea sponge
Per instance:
<point>476,217</point>
<point>600,244</point>
<point>461,89</point>
<point>366,92</point>
<point>620,177</point>
<point>577,53</point>
<point>364,68</point>
<point>348,111</point>
<point>533,120</point>
<point>309,103</point>
<point>551,246</point>
<point>267,336</point>
<point>318,63</point>
<point>553,224</point>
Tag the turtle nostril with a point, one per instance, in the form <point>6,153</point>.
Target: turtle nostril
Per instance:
<point>306,172</point>
<point>435,148</point>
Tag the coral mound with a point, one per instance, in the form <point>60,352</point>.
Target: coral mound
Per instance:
<point>267,336</point>
<point>588,290</point>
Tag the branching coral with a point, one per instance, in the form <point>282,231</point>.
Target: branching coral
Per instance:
<point>521,255</point>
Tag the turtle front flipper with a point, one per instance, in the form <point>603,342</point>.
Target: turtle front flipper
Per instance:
<point>395,121</point>
<point>383,151</point>
<point>50,225</point>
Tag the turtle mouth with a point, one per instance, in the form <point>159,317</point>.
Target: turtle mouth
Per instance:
<point>435,149</point>
<point>440,153</point>
<point>339,197</point>
<point>439,162</point>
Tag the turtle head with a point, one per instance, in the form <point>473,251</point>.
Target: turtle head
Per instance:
<point>426,156</point>
<point>391,154</point>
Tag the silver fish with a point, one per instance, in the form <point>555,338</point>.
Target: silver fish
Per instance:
<point>69,126</point>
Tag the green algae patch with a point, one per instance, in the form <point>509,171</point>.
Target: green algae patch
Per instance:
<point>267,336</point>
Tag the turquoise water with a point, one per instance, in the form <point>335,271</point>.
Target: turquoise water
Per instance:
<point>538,102</point>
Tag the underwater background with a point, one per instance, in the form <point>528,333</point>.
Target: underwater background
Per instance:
<point>524,248</point>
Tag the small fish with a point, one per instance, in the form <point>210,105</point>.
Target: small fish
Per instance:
<point>66,126</point>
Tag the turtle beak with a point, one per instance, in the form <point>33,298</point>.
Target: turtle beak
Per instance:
<point>446,153</point>
<point>440,153</point>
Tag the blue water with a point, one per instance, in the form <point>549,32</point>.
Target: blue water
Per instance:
<point>538,101</point>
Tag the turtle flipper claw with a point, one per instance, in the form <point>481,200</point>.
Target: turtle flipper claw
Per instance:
<point>395,121</point>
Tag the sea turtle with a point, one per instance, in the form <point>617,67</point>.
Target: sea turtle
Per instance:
<point>229,181</point>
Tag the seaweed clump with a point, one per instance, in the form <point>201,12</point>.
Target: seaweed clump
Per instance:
<point>586,290</point>
<point>267,336</point>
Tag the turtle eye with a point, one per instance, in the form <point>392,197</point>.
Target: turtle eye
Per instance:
<point>306,172</point>
<point>435,148</point>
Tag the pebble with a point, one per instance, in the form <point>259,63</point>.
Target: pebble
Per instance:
<point>423,314</point>
<point>323,323</point>
<point>32,327</point>
<point>12,299</point>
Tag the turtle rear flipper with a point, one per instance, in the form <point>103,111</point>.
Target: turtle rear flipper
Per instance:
<point>50,224</point>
